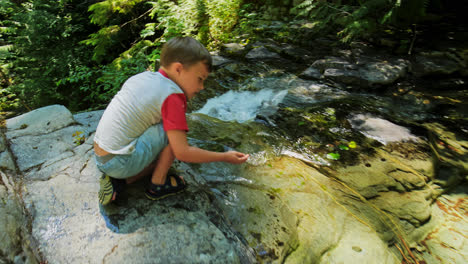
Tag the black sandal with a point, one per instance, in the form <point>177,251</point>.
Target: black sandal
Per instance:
<point>109,186</point>
<point>157,192</point>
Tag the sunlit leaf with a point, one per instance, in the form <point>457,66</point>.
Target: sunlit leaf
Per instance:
<point>343,147</point>
<point>333,156</point>
<point>352,144</point>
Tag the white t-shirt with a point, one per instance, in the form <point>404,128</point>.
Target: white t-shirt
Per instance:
<point>135,108</point>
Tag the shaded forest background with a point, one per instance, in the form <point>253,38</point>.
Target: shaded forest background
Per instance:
<point>79,52</point>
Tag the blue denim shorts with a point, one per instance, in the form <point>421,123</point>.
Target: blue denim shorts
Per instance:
<point>147,148</point>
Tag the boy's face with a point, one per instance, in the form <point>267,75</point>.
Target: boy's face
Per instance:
<point>191,79</point>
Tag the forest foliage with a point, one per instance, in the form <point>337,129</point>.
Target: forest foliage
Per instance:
<point>79,52</point>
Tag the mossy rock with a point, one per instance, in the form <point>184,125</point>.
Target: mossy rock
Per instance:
<point>218,135</point>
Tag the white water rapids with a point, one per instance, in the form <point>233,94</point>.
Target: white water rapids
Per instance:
<point>241,106</point>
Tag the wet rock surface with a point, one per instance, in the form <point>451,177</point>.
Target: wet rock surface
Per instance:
<point>351,162</point>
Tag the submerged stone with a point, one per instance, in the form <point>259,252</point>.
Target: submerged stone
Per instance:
<point>381,130</point>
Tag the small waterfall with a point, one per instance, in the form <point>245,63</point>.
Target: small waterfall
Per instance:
<point>241,106</point>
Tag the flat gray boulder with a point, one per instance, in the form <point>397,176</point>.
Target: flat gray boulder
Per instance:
<point>40,121</point>
<point>262,53</point>
<point>60,195</point>
<point>362,72</point>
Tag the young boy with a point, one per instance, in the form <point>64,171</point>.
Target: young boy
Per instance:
<point>143,129</point>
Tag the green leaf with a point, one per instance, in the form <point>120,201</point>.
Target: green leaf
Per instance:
<point>352,144</point>
<point>343,147</point>
<point>333,156</point>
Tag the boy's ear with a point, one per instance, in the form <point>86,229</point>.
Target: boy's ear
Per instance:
<point>178,67</point>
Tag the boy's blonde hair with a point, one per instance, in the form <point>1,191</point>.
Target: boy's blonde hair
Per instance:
<point>185,50</point>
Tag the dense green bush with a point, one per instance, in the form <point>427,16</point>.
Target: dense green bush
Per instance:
<point>353,19</point>
<point>45,49</point>
<point>8,100</point>
<point>79,52</point>
<point>62,56</point>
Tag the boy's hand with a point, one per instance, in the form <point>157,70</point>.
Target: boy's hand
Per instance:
<point>235,157</point>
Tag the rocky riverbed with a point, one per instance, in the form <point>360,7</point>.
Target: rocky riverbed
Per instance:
<point>357,156</point>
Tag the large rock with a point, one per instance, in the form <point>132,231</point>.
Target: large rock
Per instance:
<point>333,63</point>
<point>443,239</point>
<point>262,53</point>
<point>322,236</point>
<point>450,149</point>
<point>6,160</point>
<point>35,149</point>
<point>437,63</point>
<point>40,121</point>
<point>280,207</point>
<point>60,195</point>
<point>306,93</point>
<point>384,72</point>
<point>15,242</point>
<point>362,72</point>
<point>72,227</point>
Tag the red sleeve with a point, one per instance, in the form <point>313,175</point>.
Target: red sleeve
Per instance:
<point>173,112</point>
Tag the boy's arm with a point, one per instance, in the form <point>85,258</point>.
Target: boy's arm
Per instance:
<point>186,153</point>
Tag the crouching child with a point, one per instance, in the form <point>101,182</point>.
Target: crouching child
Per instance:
<point>143,129</point>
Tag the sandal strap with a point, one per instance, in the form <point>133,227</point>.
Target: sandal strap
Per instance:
<point>178,179</point>
<point>167,186</point>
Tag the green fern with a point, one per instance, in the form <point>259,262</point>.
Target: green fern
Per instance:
<point>364,17</point>
<point>6,48</point>
<point>103,11</point>
<point>304,8</point>
<point>102,40</point>
<point>406,12</point>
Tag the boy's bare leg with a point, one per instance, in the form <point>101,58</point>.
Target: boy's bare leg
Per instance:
<point>165,157</point>
<point>144,172</point>
<point>164,161</point>
<point>163,164</point>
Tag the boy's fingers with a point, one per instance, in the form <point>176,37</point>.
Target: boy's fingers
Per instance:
<point>244,157</point>
<point>239,157</point>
